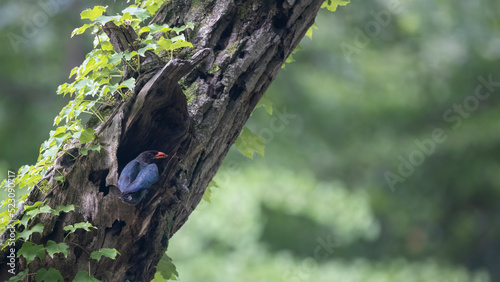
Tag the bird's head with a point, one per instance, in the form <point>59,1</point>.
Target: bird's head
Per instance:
<point>151,155</point>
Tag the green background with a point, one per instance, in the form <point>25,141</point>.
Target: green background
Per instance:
<point>362,100</point>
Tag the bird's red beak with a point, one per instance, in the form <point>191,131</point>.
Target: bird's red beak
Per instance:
<point>160,155</point>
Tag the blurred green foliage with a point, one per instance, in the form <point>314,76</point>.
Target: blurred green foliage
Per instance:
<point>377,79</point>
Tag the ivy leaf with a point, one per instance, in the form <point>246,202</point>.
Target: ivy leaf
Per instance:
<point>309,32</point>
<point>30,251</point>
<point>92,14</point>
<point>27,233</point>
<point>60,209</point>
<point>85,151</point>
<point>208,191</point>
<point>43,209</point>
<point>178,37</point>
<point>140,13</point>
<point>50,275</point>
<point>80,30</point>
<point>53,247</point>
<point>167,268</point>
<point>83,276</point>
<point>20,276</point>
<point>180,43</point>
<point>87,136</point>
<point>332,5</point>
<point>162,28</point>
<point>129,83</point>
<point>115,58</point>
<point>84,81</point>
<point>179,29</point>
<point>248,143</point>
<point>107,46</point>
<point>165,43</point>
<point>107,252</point>
<point>143,50</point>
<point>51,152</point>
<point>27,215</point>
<point>105,19</point>
<point>85,225</point>
<point>267,104</point>
<point>144,29</point>
<point>152,5</point>
<point>59,131</point>
<point>59,178</point>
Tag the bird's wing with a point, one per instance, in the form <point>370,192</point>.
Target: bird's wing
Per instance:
<point>128,175</point>
<point>145,178</point>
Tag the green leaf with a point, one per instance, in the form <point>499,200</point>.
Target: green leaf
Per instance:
<point>129,83</point>
<point>178,37</point>
<point>143,50</point>
<point>30,251</point>
<point>33,212</point>
<point>105,19</point>
<point>59,178</point>
<point>51,152</point>
<point>84,225</point>
<point>87,136</point>
<point>59,131</point>
<point>180,43</point>
<point>50,275</point>
<point>161,28</point>
<point>106,45</point>
<point>267,104</point>
<point>107,252</point>
<point>140,13</point>
<point>27,233</point>
<point>20,276</point>
<point>36,204</point>
<point>85,81</point>
<point>248,143</point>
<point>152,5</point>
<point>167,268</point>
<point>80,30</point>
<point>53,247</point>
<point>179,29</point>
<point>208,191</point>
<point>67,208</point>
<point>309,32</point>
<point>83,276</point>
<point>92,14</point>
<point>332,5</point>
<point>144,29</point>
<point>85,151</point>
<point>165,43</point>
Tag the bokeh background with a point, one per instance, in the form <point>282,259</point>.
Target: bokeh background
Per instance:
<point>355,185</point>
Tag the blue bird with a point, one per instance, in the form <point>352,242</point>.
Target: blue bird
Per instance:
<point>138,175</point>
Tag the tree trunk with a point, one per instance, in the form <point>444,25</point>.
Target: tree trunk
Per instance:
<point>239,48</point>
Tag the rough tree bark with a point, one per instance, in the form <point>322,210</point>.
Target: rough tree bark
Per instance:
<point>239,48</point>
